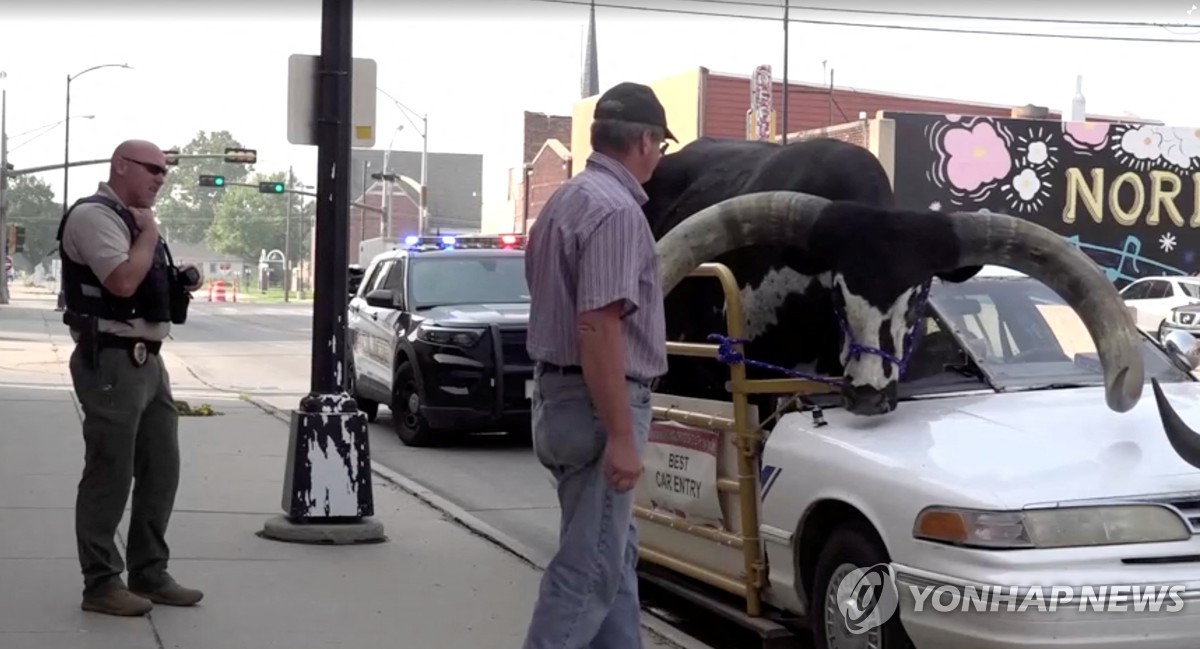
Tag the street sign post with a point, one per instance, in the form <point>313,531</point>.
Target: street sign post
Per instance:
<point>330,500</point>
<point>303,83</point>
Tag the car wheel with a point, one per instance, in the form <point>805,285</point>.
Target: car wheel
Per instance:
<point>850,547</point>
<point>368,407</point>
<point>411,427</point>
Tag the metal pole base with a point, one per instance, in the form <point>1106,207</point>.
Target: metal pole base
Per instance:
<point>327,494</point>
<point>281,528</point>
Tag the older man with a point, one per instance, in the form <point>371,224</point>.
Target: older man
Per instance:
<point>122,294</point>
<point>598,335</point>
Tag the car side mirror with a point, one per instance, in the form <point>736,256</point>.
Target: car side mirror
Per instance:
<point>382,298</point>
<point>1183,346</point>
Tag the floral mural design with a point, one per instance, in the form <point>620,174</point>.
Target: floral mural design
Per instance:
<point>1148,146</point>
<point>1024,167</point>
<point>973,157</point>
<point>1086,136</point>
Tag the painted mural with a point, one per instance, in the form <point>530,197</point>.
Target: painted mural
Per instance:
<point>1128,195</point>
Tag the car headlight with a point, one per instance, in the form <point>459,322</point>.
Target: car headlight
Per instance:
<point>456,337</point>
<point>1062,527</point>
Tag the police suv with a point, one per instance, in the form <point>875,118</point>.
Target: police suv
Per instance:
<point>436,332</point>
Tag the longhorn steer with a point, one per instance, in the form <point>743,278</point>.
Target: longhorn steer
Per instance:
<point>833,277</point>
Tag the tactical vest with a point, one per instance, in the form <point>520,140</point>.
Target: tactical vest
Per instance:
<point>86,295</point>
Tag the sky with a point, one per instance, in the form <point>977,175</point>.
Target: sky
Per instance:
<point>473,67</point>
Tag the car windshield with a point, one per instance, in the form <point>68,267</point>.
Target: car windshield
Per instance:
<point>1190,289</point>
<point>444,281</point>
<point>1022,335</point>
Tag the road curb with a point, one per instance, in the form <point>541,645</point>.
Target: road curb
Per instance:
<point>533,559</point>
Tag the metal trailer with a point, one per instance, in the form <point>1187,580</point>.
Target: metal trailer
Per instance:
<point>731,559</point>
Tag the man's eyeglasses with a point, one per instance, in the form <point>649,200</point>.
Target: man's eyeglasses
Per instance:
<point>152,168</point>
<point>662,147</point>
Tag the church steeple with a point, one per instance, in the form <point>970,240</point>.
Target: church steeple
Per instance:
<point>591,68</point>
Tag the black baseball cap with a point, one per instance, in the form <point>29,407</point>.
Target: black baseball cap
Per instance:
<point>633,102</point>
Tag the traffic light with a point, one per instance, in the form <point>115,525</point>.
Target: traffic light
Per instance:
<point>247,156</point>
<point>172,157</point>
<point>212,181</point>
<point>271,187</point>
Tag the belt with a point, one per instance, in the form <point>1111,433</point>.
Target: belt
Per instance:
<point>551,368</point>
<point>561,369</point>
<point>122,342</point>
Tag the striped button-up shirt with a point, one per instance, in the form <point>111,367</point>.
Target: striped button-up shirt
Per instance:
<point>591,246</point>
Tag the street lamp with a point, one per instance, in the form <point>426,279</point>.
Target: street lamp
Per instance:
<point>423,131</point>
<point>67,139</point>
<point>67,153</point>
<point>385,197</point>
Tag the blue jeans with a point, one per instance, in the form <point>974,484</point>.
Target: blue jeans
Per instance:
<point>589,592</point>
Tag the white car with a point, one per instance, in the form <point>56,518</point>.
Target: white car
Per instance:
<point>1001,467</point>
<point>1154,297</point>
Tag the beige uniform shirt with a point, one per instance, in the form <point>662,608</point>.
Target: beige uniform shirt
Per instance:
<point>96,236</point>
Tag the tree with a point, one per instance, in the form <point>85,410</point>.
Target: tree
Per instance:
<point>186,209</point>
<point>31,204</point>
<point>247,222</point>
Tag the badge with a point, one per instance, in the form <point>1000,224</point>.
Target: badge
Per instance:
<point>139,353</point>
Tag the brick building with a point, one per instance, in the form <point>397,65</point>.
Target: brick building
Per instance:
<point>700,103</point>
<point>545,164</point>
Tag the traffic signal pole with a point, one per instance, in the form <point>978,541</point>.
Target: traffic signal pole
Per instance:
<point>288,190</point>
<point>327,495</point>
<point>103,161</point>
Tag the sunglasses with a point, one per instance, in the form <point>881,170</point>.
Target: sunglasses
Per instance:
<point>152,168</point>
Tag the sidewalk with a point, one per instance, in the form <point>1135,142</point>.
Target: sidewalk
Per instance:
<point>432,585</point>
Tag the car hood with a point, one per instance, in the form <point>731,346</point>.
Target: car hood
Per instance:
<point>1193,307</point>
<point>478,314</point>
<point>1023,448</point>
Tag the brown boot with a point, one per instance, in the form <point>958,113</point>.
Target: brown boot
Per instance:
<point>117,601</point>
<point>171,594</point>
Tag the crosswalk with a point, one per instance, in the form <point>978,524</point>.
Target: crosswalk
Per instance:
<point>213,309</point>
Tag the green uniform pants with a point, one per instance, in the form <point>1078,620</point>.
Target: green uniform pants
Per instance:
<point>130,434</point>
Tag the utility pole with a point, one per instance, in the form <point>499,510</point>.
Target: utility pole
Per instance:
<point>331,500</point>
<point>423,199</point>
<point>287,241</point>
<point>423,217</point>
<point>362,216</point>
<point>4,298</point>
<point>385,193</point>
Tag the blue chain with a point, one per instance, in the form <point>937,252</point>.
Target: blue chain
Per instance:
<point>727,354</point>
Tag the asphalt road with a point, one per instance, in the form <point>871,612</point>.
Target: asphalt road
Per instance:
<point>264,351</point>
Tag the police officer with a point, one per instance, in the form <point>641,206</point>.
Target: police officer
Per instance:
<point>122,293</point>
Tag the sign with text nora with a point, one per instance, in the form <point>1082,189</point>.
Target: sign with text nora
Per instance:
<point>680,475</point>
<point>1128,195</point>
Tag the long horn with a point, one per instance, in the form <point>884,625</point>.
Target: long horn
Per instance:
<point>1184,440</point>
<point>987,238</point>
<point>779,218</point>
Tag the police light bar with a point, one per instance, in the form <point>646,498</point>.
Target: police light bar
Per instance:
<point>469,241</point>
